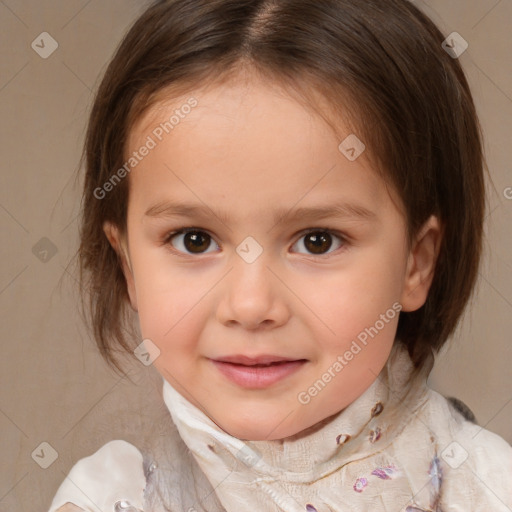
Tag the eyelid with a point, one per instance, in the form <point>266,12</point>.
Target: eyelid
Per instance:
<point>322,229</point>
<point>180,231</point>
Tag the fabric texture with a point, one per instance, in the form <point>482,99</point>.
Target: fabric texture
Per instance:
<point>400,447</point>
<point>113,474</point>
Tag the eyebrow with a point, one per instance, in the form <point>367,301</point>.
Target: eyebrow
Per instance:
<point>344,210</point>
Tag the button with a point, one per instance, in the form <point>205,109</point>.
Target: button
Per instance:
<point>125,506</point>
<point>342,438</point>
<point>378,408</point>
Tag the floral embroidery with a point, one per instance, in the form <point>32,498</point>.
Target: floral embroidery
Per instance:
<point>374,435</point>
<point>360,484</point>
<point>385,472</point>
<point>342,438</point>
<point>436,478</point>
<point>377,409</point>
<point>436,475</point>
<point>310,508</point>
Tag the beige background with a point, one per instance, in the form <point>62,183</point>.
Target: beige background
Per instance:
<point>54,386</point>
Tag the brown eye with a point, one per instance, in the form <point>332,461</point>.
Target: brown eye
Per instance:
<point>192,242</point>
<point>319,242</point>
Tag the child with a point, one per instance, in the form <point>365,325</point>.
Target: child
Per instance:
<point>290,195</point>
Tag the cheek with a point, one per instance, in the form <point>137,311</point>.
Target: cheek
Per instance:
<point>169,318</point>
<point>347,301</point>
<point>171,322</point>
<point>169,301</point>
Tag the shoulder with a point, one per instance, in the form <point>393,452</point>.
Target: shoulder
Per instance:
<point>113,473</point>
<point>477,463</point>
<point>450,425</point>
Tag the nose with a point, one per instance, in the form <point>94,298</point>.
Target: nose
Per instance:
<point>252,297</point>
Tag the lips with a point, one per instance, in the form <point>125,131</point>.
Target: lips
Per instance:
<point>263,360</point>
<point>257,372</point>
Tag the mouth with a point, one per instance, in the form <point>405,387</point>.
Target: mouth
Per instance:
<point>257,372</point>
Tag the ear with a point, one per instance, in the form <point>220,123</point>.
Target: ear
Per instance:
<point>119,244</point>
<point>421,265</point>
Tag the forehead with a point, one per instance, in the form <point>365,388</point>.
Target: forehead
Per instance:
<point>234,94</point>
<point>242,139</point>
<point>232,100</point>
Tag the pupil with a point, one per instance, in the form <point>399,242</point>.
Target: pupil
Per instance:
<point>318,243</point>
<point>194,240</point>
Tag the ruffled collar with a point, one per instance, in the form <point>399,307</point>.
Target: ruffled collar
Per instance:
<point>365,427</point>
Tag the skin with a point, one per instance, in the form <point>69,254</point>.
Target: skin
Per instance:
<point>249,149</point>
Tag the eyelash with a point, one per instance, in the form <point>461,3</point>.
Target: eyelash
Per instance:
<point>183,231</point>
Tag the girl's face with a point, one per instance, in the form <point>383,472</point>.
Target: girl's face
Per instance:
<point>266,266</point>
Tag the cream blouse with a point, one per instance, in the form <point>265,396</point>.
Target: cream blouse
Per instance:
<point>399,447</point>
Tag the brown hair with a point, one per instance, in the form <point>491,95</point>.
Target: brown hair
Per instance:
<point>379,62</point>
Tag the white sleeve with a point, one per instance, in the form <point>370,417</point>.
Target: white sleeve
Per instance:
<point>95,483</point>
<point>482,474</point>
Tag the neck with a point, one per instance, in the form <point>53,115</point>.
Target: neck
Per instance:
<point>365,426</point>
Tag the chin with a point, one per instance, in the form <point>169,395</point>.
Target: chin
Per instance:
<point>256,433</point>
<point>245,430</point>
